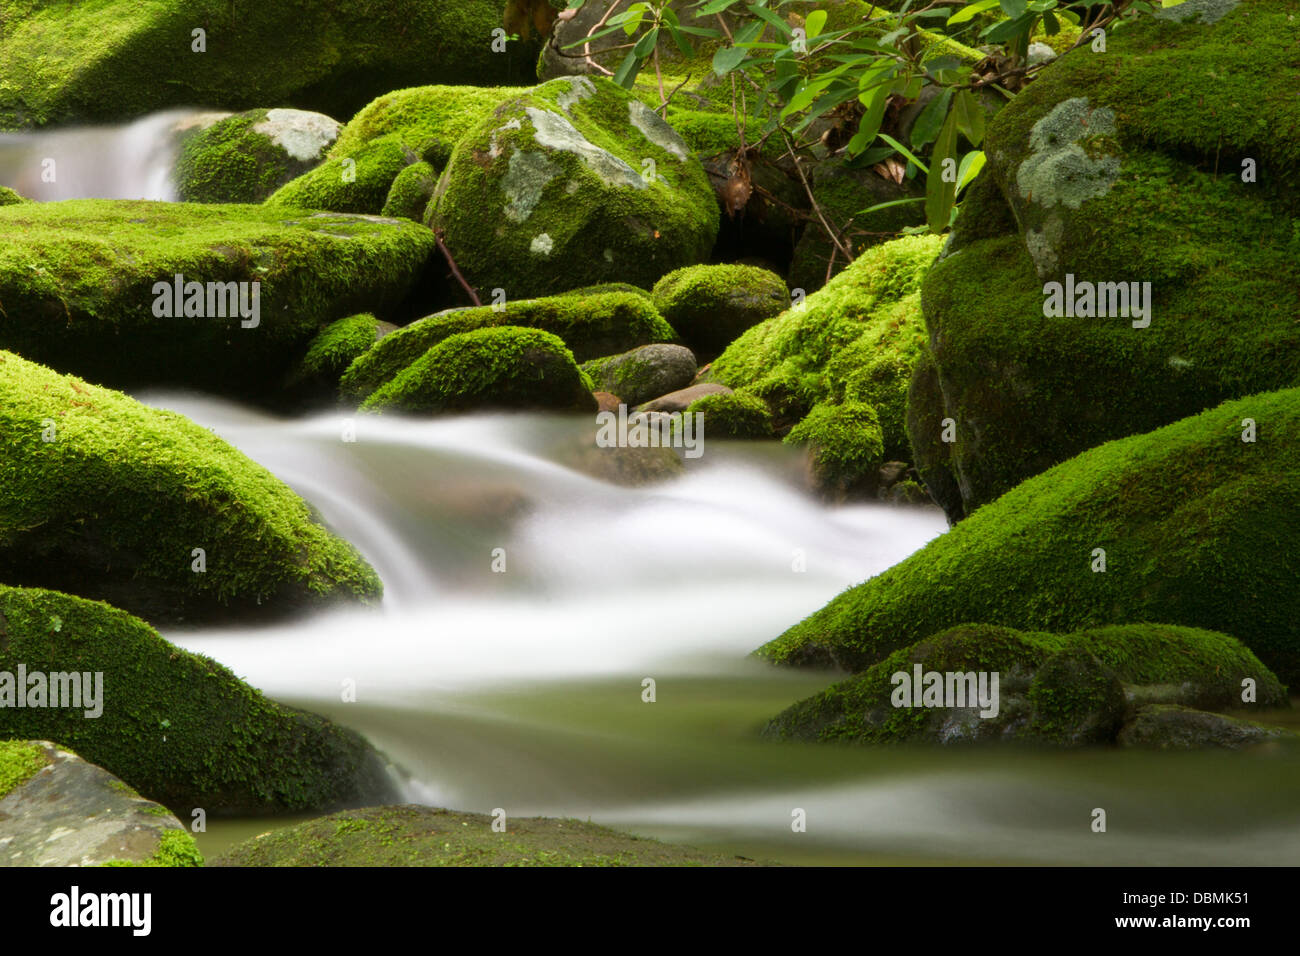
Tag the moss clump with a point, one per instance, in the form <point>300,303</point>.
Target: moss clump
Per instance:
<point>1124,168</point>
<point>601,288</point>
<point>9,197</point>
<point>79,285</point>
<point>178,728</point>
<point>19,762</point>
<point>1062,689</point>
<point>856,340</point>
<point>710,305</point>
<point>409,196</point>
<point>499,367</point>
<point>104,497</point>
<point>333,349</point>
<point>358,183</point>
<point>81,62</point>
<point>1194,523</point>
<point>175,848</point>
<point>246,157</point>
<point>573,183</point>
<point>734,415</point>
<point>591,326</point>
<point>427,836</point>
<point>846,446</point>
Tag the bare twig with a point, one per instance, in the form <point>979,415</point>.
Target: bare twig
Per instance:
<point>455,270</point>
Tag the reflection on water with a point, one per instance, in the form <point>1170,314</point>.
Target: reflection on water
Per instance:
<point>523,689</point>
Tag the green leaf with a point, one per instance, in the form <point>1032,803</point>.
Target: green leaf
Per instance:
<point>970,167</point>
<point>765,14</point>
<point>940,194</point>
<point>928,124</point>
<point>971,10</point>
<point>970,117</point>
<point>887,205</point>
<point>899,147</point>
<point>808,92</point>
<point>813,25</point>
<point>727,58</point>
<point>1014,8</point>
<point>715,6</point>
<point>626,73</point>
<point>1005,30</point>
<point>646,43</point>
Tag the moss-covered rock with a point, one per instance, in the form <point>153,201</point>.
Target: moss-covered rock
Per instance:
<point>1167,727</point>
<point>103,61</point>
<point>643,373</point>
<point>590,325</point>
<point>9,197</point>
<point>85,286</point>
<point>409,196</point>
<point>734,415</point>
<point>179,728</point>
<point>856,340</point>
<point>1064,690</point>
<point>19,761</point>
<point>710,306</point>
<point>398,130</point>
<point>845,445</point>
<point>333,349</point>
<point>573,183</point>
<point>427,836</point>
<point>106,498</point>
<point>246,157</point>
<point>499,367</point>
<point>1191,524</point>
<point>1169,160</point>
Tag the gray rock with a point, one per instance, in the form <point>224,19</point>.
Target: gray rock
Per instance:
<point>681,399</point>
<point>643,373</point>
<point>1165,727</point>
<point>73,813</point>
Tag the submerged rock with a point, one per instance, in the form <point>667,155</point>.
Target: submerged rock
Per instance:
<point>177,727</point>
<point>72,813</point>
<point>110,499</point>
<point>1164,727</point>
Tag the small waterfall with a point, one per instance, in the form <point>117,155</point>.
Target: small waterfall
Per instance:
<point>131,161</point>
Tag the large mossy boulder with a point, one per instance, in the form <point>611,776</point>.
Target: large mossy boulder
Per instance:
<point>428,836</point>
<point>591,325</point>
<point>498,367</point>
<point>400,129</point>
<point>573,183</point>
<point>1064,690</point>
<point>106,498</point>
<point>246,157</point>
<point>1168,160</point>
<point>105,61</point>
<point>177,727</point>
<point>1186,525</point>
<point>88,287</point>
<point>712,305</point>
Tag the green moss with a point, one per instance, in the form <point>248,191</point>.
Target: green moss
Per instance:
<point>179,728</point>
<point>846,445</point>
<point>78,278</point>
<point>710,305</point>
<point>19,762</point>
<point>552,192</point>
<point>358,183</point>
<point>9,197</point>
<point>336,347</point>
<point>736,415</point>
<point>498,367</point>
<point>175,848</point>
<point>605,287</point>
<point>426,836</point>
<point>856,340</point>
<point>107,498</point>
<point>1170,208</point>
<point>1054,688</point>
<point>411,191</point>
<point>1194,522</point>
<point>233,162</point>
<point>97,60</point>
<point>592,325</point>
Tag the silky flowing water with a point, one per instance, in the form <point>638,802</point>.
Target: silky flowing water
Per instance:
<point>522,689</point>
